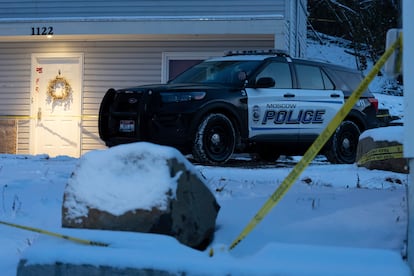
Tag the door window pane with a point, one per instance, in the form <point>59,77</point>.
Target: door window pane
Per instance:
<point>280,72</point>
<point>309,77</point>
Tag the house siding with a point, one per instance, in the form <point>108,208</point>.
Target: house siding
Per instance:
<point>301,23</point>
<point>107,64</point>
<point>14,88</point>
<point>82,8</point>
<point>296,27</point>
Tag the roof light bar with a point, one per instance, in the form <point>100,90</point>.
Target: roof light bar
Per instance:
<point>276,52</point>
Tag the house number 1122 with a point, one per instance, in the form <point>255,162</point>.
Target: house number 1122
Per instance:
<point>42,30</point>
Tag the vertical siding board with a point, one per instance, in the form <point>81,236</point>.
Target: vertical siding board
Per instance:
<point>302,27</point>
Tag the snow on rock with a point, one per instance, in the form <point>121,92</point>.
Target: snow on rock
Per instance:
<point>100,174</point>
<point>141,187</point>
<point>390,133</point>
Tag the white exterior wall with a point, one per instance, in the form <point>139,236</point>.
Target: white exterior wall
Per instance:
<point>296,28</point>
<point>301,23</point>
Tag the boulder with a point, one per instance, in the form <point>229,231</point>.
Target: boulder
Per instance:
<point>141,187</point>
<point>377,151</point>
<point>26,268</point>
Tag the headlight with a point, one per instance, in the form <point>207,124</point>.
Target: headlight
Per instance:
<point>177,97</point>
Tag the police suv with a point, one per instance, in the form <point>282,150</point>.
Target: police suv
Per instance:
<point>265,103</point>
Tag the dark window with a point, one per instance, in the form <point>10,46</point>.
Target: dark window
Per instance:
<point>280,72</point>
<point>215,71</point>
<point>309,77</point>
<point>351,79</point>
<point>177,66</point>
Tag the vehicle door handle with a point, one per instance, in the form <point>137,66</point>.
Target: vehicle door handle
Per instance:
<point>335,95</point>
<point>289,95</point>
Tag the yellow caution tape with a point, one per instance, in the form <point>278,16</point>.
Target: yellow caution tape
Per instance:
<point>379,154</point>
<point>17,117</point>
<point>382,115</point>
<point>399,63</point>
<point>41,231</point>
<point>317,145</point>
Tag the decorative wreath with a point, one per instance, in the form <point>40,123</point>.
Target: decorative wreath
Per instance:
<point>59,88</point>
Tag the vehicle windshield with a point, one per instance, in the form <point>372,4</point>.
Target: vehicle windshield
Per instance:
<point>230,72</point>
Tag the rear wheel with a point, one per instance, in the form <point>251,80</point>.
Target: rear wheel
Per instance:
<point>215,139</point>
<point>343,144</point>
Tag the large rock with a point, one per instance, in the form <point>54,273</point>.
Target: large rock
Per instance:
<point>381,149</point>
<point>66,269</point>
<point>141,187</point>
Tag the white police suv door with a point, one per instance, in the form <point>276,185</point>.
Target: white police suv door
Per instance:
<point>318,99</point>
<point>272,111</point>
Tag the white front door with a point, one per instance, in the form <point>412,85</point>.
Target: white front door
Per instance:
<point>56,104</point>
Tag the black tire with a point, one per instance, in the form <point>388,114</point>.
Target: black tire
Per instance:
<point>342,147</point>
<point>266,153</point>
<point>215,140</point>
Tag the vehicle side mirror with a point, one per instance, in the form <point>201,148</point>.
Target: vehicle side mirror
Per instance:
<point>265,82</point>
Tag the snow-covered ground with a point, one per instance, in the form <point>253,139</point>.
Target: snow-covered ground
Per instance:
<point>335,220</point>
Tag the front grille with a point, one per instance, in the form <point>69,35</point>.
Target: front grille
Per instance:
<point>127,103</point>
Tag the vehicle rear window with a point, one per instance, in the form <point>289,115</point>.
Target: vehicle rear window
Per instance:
<point>351,79</point>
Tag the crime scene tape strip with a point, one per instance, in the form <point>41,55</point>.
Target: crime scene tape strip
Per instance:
<point>17,117</point>
<point>316,146</point>
<point>380,154</point>
<point>41,231</point>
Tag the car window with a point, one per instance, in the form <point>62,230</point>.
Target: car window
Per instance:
<point>351,79</point>
<point>327,82</point>
<point>309,77</point>
<point>280,72</point>
<point>225,72</point>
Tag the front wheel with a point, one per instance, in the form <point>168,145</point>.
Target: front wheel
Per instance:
<point>215,139</point>
<point>343,144</point>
